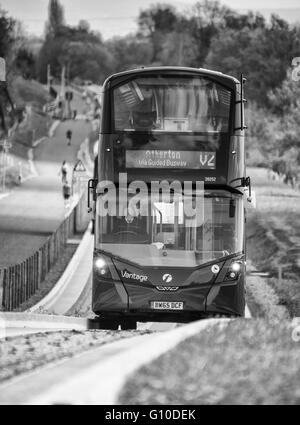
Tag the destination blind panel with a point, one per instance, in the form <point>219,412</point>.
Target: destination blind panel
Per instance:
<point>171,159</point>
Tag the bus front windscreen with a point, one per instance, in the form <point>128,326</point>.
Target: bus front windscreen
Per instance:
<point>166,236</point>
<point>171,104</point>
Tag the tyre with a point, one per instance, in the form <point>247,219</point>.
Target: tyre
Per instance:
<point>109,324</point>
<point>128,324</point>
<point>104,323</point>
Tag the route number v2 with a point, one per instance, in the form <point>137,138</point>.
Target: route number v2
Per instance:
<point>207,159</point>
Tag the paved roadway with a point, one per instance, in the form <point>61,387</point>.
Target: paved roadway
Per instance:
<point>31,212</point>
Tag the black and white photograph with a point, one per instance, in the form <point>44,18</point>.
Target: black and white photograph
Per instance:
<point>150,206</point>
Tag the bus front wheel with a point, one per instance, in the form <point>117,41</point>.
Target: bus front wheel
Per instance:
<point>128,324</point>
<point>108,324</point>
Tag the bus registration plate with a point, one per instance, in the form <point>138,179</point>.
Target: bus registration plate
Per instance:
<point>166,305</point>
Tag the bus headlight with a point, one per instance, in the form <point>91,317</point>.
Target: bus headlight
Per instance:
<point>234,270</point>
<point>235,267</point>
<point>102,268</point>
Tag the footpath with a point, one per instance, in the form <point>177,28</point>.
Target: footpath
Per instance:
<point>34,210</point>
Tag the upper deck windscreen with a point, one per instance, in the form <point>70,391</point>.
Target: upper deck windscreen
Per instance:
<point>172,104</point>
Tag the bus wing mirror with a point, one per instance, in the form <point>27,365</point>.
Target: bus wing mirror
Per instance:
<point>92,185</point>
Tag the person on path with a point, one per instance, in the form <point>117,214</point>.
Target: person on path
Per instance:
<point>64,172</point>
<point>69,136</point>
<point>66,193</point>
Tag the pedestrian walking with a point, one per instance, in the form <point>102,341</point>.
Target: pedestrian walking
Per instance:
<point>64,172</point>
<point>69,136</point>
<point>66,193</point>
<point>20,175</point>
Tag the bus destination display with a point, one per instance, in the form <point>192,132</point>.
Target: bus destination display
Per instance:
<point>171,159</point>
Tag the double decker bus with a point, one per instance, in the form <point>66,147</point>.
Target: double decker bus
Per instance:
<point>177,254</point>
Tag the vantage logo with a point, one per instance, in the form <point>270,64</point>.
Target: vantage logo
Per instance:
<point>142,278</point>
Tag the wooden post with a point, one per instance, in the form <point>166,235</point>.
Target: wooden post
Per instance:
<point>53,249</point>
<point>34,273</point>
<point>279,275</point>
<point>14,288</point>
<point>49,255</point>
<point>31,276</point>
<point>20,282</point>
<point>18,295</point>
<point>28,279</point>
<point>4,295</point>
<point>8,289</point>
<point>42,264</point>
<point>39,267</point>
<point>2,292</point>
<point>23,281</point>
<point>36,270</point>
<point>44,261</point>
<point>50,252</point>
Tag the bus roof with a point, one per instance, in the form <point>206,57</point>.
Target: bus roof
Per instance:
<point>115,78</point>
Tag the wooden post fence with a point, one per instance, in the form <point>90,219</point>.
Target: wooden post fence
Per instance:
<point>20,281</point>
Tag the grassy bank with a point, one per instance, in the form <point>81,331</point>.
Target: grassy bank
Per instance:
<point>28,92</point>
<point>24,353</point>
<point>247,362</point>
<point>29,96</point>
<point>273,237</point>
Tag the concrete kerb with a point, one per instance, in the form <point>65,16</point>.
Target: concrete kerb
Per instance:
<point>39,141</point>
<point>33,321</point>
<point>65,279</point>
<point>3,195</point>
<point>53,127</point>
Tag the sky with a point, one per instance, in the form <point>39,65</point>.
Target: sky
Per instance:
<point>118,17</point>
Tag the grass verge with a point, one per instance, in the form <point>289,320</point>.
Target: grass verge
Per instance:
<point>20,354</point>
<point>248,362</point>
<point>273,238</point>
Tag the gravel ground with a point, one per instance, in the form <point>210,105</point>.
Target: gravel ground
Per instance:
<point>23,353</point>
<point>248,362</point>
